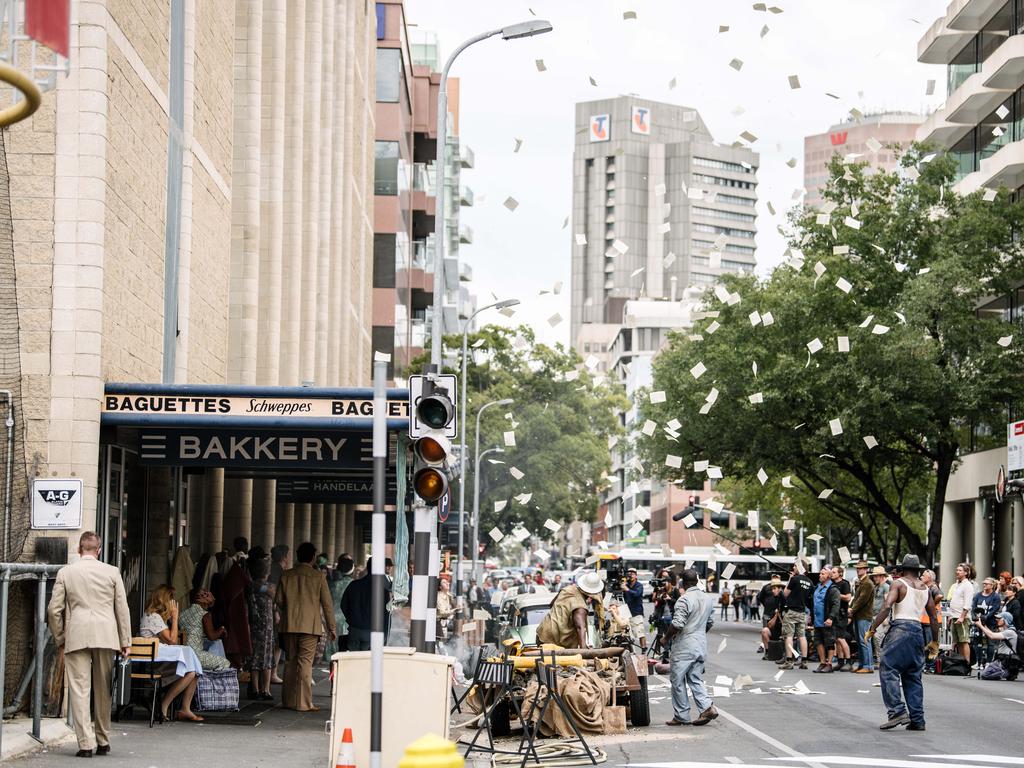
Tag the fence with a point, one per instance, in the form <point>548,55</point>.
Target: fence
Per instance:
<point>18,572</point>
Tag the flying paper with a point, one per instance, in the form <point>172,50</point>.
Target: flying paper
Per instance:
<point>756,398</point>
<point>814,345</point>
<point>510,439</point>
<point>500,505</point>
<point>511,203</point>
<point>649,427</point>
<point>516,473</point>
<point>698,370</point>
<point>689,521</point>
<point>825,493</point>
<point>673,461</point>
<point>730,569</point>
<point>844,554</point>
<point>658,396</point>
<point>836,426</point>
<point>762,476</point>
<point>844,343</point>
<point>844,285</point>
<point>496,534</point>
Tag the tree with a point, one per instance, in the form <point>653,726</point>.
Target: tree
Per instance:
<point>887,279</point>
<point>561,420</point>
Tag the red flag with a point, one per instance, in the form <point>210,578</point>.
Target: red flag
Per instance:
<point>49,22</point>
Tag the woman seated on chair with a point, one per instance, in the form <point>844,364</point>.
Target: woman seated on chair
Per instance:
<point>161,621</point>
<point>197,624</point>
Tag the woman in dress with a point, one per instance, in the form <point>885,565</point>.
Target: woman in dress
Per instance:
<point>161,621</point>
<point>261,627</point>
<point>197,624</point>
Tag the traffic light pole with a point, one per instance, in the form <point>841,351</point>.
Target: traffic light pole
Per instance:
<point>423,522</point>
<point>377,542</point>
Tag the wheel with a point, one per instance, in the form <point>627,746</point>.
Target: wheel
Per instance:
<point>640,705</point>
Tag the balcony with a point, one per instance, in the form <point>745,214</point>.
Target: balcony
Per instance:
<point>971,15</point>
<point>940,43</point>
<point>1004,69</point>
<point>466,197</point>
<point>466,234</point>
<point>1004,167</point>
<point>939,131</point>
<point>466,157</point>
<point>465,272</point>
<point>451,273</point>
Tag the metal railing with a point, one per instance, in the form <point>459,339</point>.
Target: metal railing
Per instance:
<point>18,572</point>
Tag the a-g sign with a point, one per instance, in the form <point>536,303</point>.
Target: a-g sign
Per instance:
<point>600,128</point>
<point>57,504</point>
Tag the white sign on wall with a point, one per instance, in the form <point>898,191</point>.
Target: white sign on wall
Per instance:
<point>57,504</point>
<point>1015,446</point>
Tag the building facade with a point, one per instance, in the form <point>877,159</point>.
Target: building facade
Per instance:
<point>191,205</point>
<point>893,132</point>
<point>981,124</point>
<point>658,206</point>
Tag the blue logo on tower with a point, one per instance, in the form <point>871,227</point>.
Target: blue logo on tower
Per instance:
<point>640,121</point>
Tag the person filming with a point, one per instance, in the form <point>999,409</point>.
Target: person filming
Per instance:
<point>1004,640</point>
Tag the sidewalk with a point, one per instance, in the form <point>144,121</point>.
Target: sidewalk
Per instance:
<point>261,734</point>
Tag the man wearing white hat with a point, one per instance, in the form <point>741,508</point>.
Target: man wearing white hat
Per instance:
<point>566,622</point>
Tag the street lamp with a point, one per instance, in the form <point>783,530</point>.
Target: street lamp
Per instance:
<point>476,473</point>
<point>513,32</point>
<point>463,407</point>
<point>476,508</point>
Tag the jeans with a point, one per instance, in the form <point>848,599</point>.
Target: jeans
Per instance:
<point>687,669</point>
<point>900,675</point>
<point>358,639</point>
<point>867,656</point>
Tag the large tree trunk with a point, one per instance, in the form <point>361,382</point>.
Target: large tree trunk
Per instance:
<point>943,469</point>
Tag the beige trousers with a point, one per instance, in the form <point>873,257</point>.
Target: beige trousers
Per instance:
<point>298,670</point>
<point>88,671</point>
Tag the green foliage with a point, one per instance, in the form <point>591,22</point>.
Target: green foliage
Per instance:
<point>562,418</point>
<point>920,263</point>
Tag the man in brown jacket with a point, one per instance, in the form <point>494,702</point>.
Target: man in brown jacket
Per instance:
<point>88,616</point>
<point>861,612</point>
<point>301,597</point>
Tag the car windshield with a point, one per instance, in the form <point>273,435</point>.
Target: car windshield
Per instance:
<point>532,615</point>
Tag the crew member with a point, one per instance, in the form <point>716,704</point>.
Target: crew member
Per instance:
<point>633,596</point>
<point>903,649</point>
<point>566,623</point>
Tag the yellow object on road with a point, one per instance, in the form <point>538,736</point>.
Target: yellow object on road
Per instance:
<point>530,662</point>
<point>431,751</point>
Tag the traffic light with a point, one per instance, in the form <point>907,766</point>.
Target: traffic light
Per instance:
<point>432,425</point>
<point>432,405</point>
<point>430,478</point>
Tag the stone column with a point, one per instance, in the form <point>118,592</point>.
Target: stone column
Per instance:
<point>238,508</point>
<point>213,509</point>
<point>951,545</point>
<point>1004,536</point>
<point>159,494</point>
<point>316,526</point>
<point>284,526</point>
<point>303,513</point>
<point>196,517</point>
<point>330,527</point>
<point>1018,536</point>
<point>340,510</point>
<point>982,539</point>
<point>264,509</point>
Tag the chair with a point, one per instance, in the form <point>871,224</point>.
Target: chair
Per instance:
<point>547,678</point>
<point>478,655</point>
<point>144,668</point>
<point>495,677</point>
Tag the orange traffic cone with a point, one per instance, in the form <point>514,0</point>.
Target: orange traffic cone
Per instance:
<point>346,751</point>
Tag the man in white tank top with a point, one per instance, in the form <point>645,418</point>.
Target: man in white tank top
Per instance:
<point>903,649</point>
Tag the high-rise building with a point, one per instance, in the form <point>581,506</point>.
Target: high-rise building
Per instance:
<point>981,125</point>
<point>658,206</point>
<point>893,131</point>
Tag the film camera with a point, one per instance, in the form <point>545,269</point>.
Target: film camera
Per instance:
<point>615,576</point>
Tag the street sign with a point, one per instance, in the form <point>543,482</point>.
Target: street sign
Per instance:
<point>1015,446</point>
<point>57,504</point>
<point>444,506</point>
<point>186,407</point>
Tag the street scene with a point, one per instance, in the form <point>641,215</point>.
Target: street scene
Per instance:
<point>442,383</point>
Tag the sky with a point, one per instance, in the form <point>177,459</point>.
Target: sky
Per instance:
<point>864,51</point>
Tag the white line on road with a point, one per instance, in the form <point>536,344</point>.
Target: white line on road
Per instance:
<point>978,758</point>
<point>881,762</point>
<point>732,759</point>
<point>1015,701</point>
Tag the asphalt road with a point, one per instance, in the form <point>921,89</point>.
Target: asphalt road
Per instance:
<point>970,722</point>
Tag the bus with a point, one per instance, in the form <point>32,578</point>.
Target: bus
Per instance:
<point>751,571</point>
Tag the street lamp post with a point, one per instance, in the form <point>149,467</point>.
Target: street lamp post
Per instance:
<point>476,509</point>
<point>463,407</point>
<point>513,32</point>
<point>476,475</point>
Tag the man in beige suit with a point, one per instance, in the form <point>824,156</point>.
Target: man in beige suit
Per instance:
<point>88,616</point>
<point>301,597</point>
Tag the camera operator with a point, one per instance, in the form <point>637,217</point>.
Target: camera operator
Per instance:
<point>1004,640</point>
<point>985,606</point>
<point>664,598</point>
<point>633,597</point>
<point>771,600</point>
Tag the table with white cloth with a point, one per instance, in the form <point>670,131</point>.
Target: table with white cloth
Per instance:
<point>182,656</point>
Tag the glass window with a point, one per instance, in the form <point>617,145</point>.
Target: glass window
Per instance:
<point>389,74</point>
<point>385,168</point>
<point>963,65</point>
<point>995,131</point>
<point>964,155</point>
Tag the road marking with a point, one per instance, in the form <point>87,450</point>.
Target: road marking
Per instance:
<point>1015,701</point>
<point>732,759</point>
<point>978,758</point>
<point>768,739</point>
<point>877,762</point>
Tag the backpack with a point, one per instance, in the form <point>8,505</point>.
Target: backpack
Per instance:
<point>951,664</point>
<point>994,670</point>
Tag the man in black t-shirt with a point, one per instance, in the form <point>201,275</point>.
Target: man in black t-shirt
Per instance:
<point>842,628</point>
<point>770,599</point>
<point>796,599</point>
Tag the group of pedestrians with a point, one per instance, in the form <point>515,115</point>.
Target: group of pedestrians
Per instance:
<point>746,604</point>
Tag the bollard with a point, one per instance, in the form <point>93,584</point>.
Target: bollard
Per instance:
<point>431,751</point>
<point>37,687</point>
